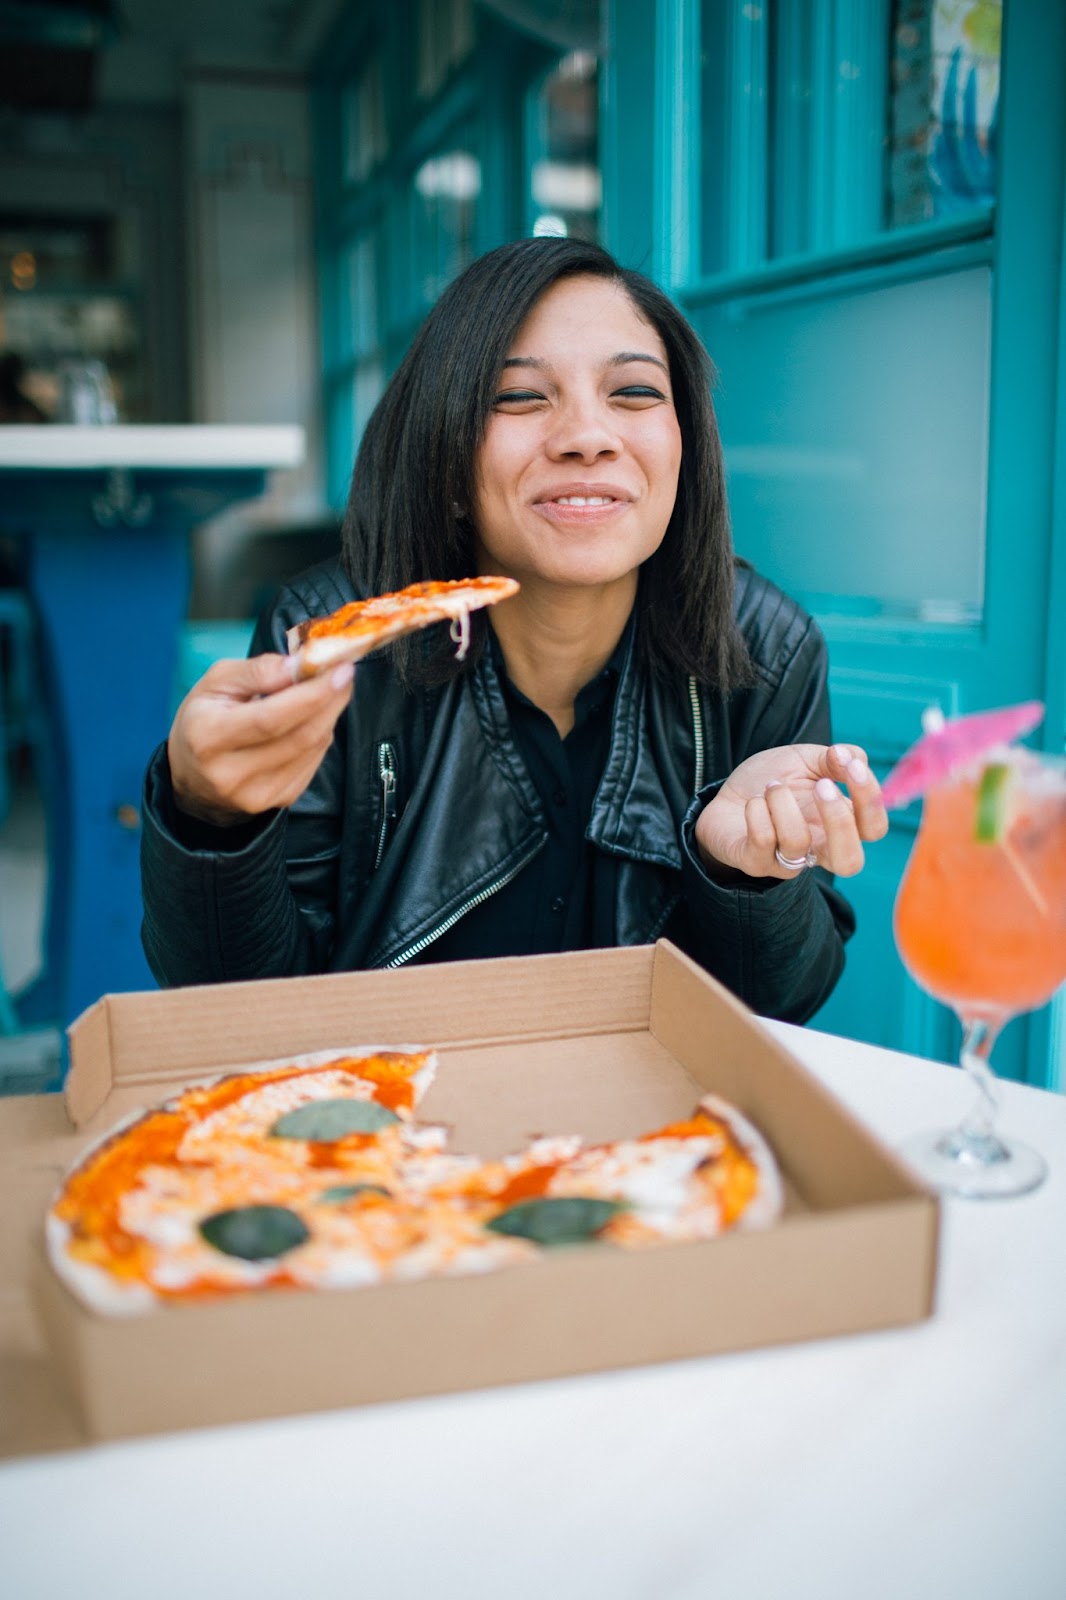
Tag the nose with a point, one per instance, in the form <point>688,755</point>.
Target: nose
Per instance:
<point>583,429</point>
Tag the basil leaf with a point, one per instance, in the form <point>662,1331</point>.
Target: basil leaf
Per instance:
<point>255,1233</point>
<point>567,1219</point>
<point>347,1191</point>
<point>326,1120</point>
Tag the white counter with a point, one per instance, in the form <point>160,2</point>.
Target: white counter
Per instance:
<point>179,446</point>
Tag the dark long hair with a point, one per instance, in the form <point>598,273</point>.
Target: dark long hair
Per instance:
<point>415,471</point>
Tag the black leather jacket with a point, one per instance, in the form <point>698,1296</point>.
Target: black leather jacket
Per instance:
<point>422,806</point>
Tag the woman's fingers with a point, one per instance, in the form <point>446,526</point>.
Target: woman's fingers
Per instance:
<point>792,832</point>
<point>245,678</point>
<point>848,763</point>
<point>835,832</point>
<point>841,848</point>
<point>793,802</point>
<point>247,739</point>
<point>260,704</point>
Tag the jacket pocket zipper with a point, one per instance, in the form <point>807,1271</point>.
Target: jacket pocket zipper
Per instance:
<point>387,779</point>
<point>697,733</point>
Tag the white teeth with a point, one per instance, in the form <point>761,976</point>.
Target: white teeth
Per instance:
<point>585,500</point>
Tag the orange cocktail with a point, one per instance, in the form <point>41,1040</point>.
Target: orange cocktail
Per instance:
<point>981,915</point>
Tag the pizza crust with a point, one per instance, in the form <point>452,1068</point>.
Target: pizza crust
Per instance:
<point>769,1200</point>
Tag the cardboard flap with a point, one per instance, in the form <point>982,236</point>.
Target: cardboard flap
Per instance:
<point>166,1037</point>
<point>88,1085</point>
<point>835,1161</point>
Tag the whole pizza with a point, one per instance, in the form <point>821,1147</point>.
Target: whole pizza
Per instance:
<point>315,1173</point>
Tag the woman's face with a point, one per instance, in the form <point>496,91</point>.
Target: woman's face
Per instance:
<point>576,479</point>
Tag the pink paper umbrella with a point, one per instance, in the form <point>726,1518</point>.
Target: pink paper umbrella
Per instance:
<point>947,744</point>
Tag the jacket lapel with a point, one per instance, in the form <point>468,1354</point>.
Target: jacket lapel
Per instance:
<point>631,816</point>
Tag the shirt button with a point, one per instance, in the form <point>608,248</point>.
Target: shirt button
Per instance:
<point>559,797</point>
<point>558,904</point>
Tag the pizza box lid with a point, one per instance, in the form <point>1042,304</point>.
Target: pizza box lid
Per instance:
<point>606,1044</point>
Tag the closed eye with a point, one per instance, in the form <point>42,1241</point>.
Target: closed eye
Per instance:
<point>510,397</point>
<point>638,391</point>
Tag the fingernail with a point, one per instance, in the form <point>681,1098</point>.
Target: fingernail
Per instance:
<point>773,784</point>
<point>342,676</point>
<point>858,771</point>
<point>826,789</point>
<point>842,753</point>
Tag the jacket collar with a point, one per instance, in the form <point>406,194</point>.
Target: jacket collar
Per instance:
<point>631,816</point>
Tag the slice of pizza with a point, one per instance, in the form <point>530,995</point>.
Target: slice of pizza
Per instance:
<point>361,626</point>
<point>689,1180</point>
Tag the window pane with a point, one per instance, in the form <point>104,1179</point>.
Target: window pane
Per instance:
<point>565,174</point>
<point>855,433</point>
<point>367,387</point>
<point>446,191</point>
<point>445,38</point>
<point>362,290</point>
<point>944,101</point>
<point>363,122</point>
<point>733,130</point>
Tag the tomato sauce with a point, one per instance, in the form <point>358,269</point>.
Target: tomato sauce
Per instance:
<point>93,1195</point>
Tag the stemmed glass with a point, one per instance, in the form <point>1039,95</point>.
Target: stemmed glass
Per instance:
<point>980,923</point>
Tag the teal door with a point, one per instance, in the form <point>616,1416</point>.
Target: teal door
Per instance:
<point>860,204</point>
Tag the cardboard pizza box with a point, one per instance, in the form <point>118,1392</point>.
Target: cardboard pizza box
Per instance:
<point>607,1044</point>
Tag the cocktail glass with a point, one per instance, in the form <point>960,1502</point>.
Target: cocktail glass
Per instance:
<point>980,923</point>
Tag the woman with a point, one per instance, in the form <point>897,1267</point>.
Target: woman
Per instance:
<point>636,745</point>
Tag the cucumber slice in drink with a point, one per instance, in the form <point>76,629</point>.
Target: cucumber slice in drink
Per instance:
<point>993,796</point>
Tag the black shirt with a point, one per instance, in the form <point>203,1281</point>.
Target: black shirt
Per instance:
<point>564,898</point>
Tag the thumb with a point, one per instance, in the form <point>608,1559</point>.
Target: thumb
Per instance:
<point>247,679</point>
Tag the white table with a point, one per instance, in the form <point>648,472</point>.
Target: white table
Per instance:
<point>926,1463</point>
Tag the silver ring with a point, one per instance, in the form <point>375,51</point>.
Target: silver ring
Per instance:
<point>808,860</point>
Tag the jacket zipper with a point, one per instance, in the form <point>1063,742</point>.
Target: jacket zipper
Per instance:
<point>697,732</point>
<point>468,905</point>
<point>387,778</point>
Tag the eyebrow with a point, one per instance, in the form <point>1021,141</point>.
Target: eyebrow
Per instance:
<point>622,359</point>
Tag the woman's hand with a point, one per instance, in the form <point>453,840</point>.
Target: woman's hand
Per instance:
<point>788,800</point>
<point>247,739</point>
